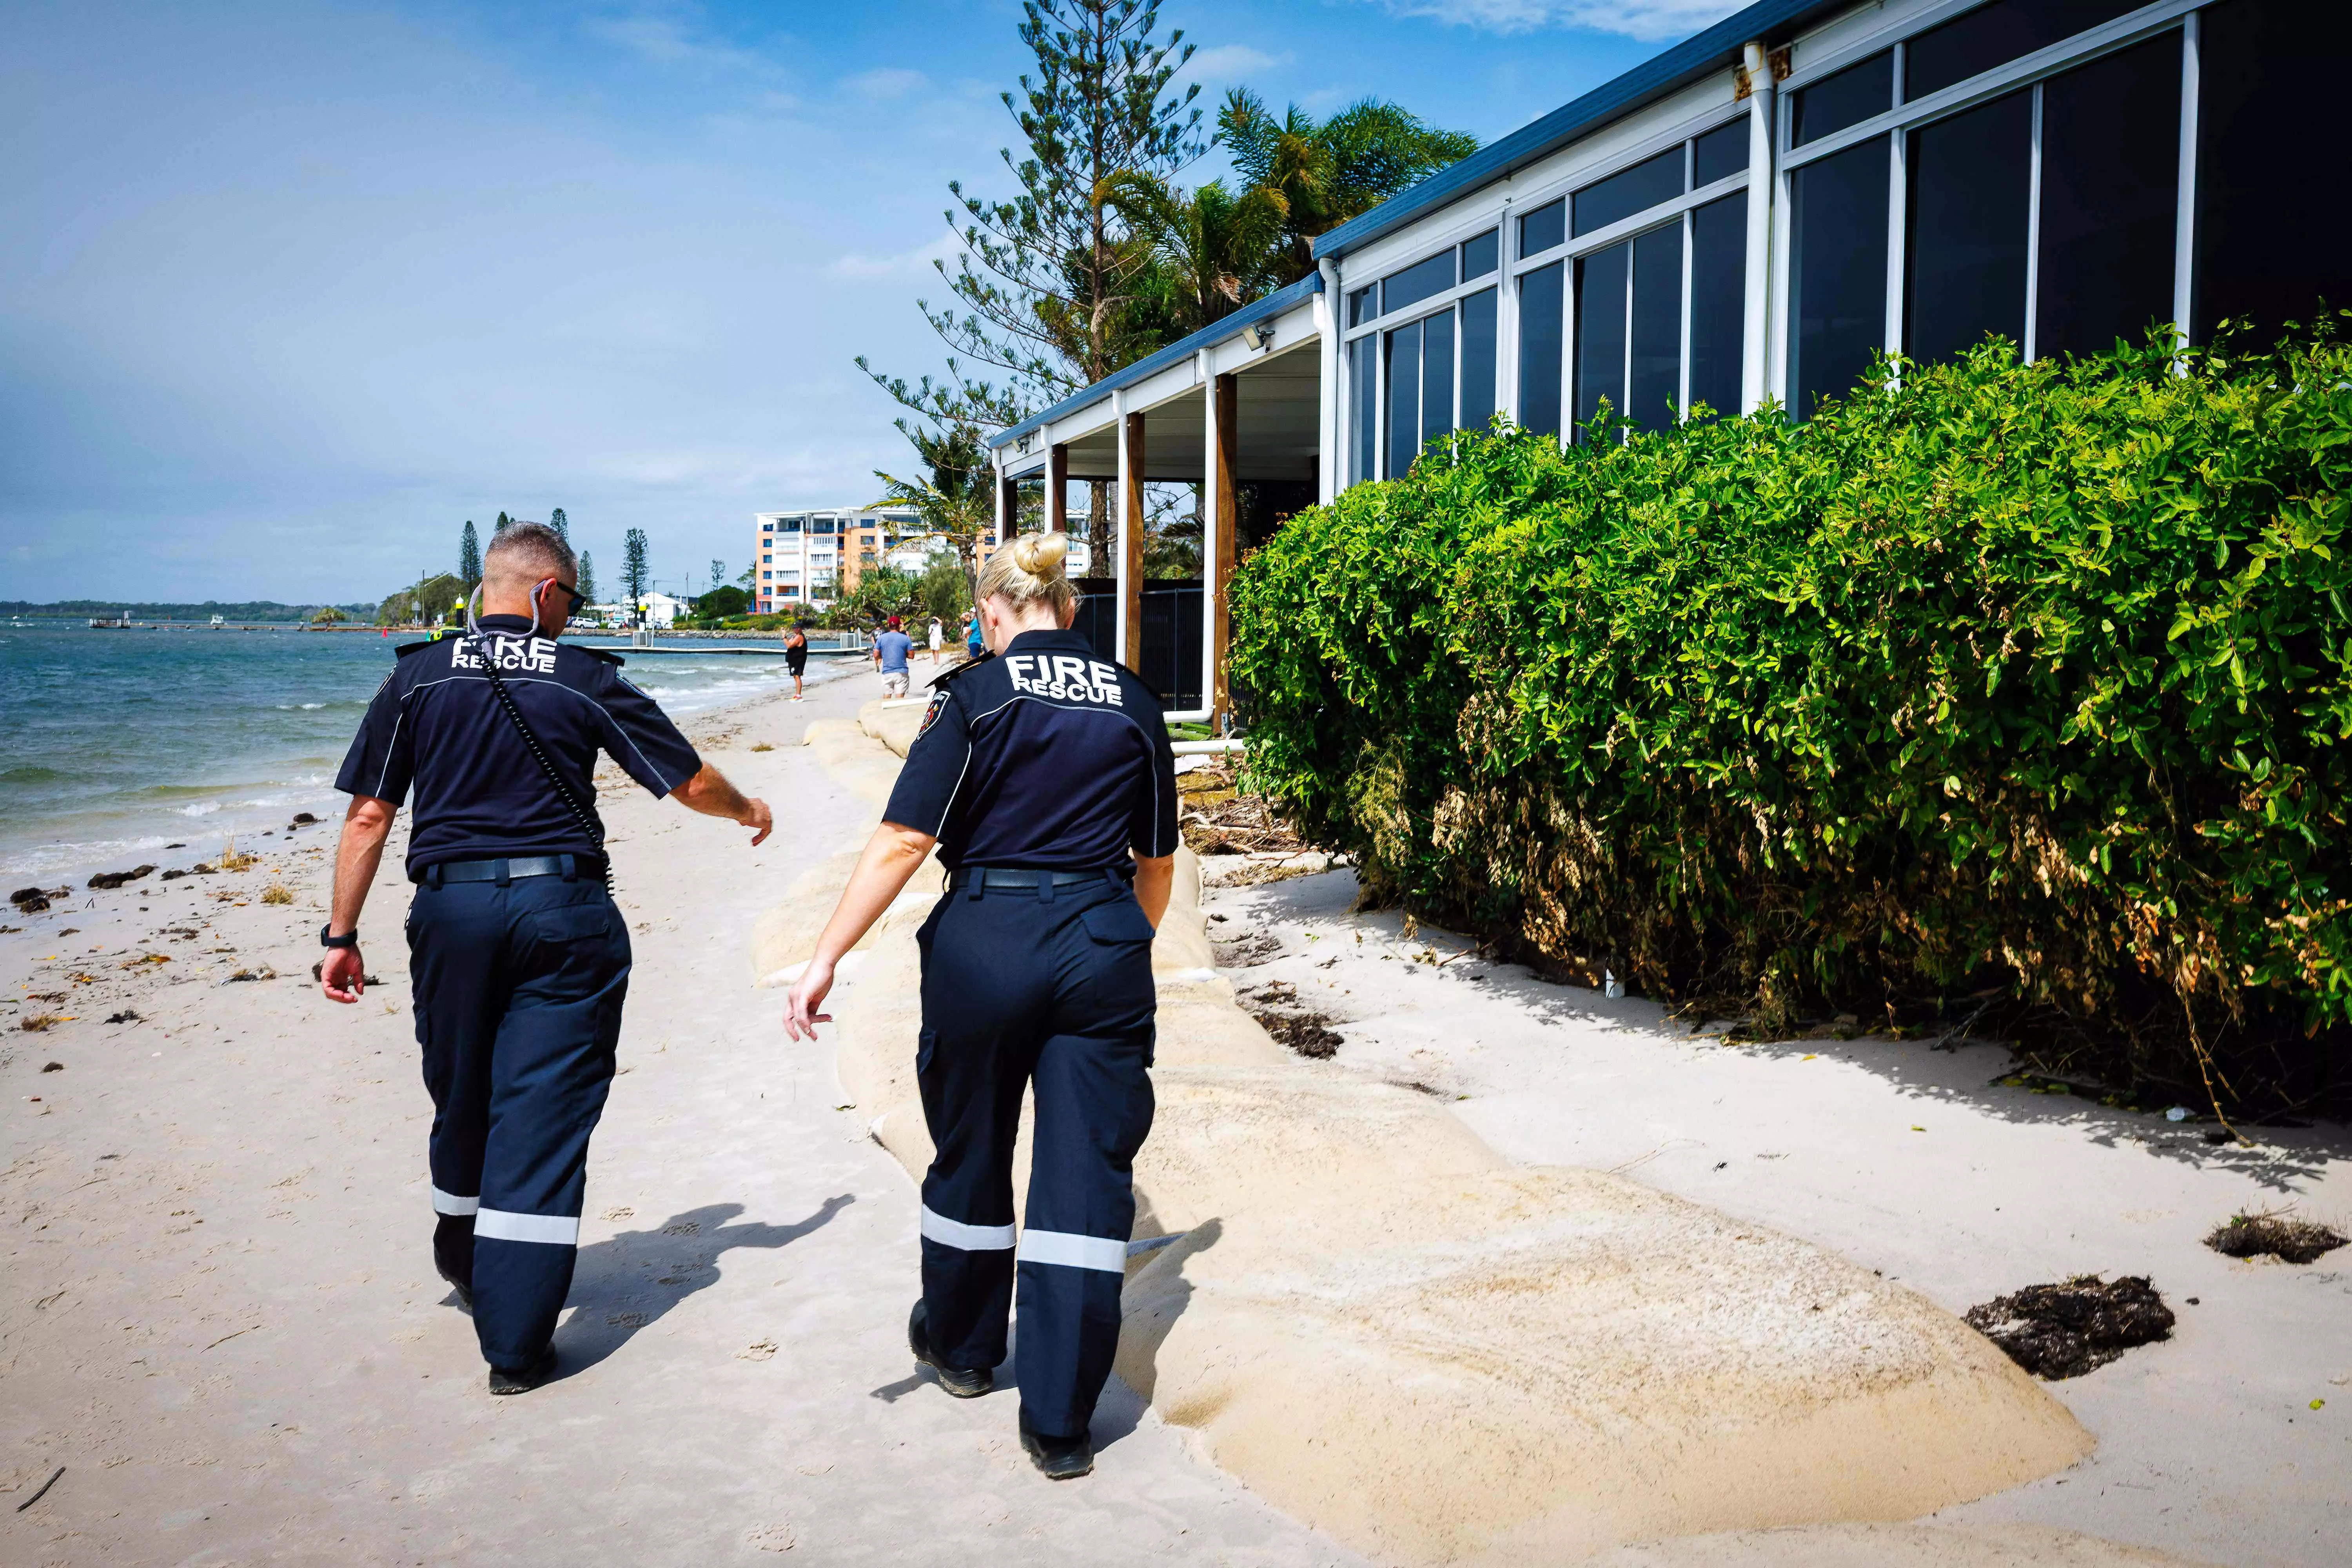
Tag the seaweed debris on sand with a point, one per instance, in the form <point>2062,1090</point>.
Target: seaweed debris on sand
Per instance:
<point>2066,1329</point>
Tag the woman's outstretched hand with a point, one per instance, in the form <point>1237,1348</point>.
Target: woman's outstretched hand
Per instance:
<point>801,1014</point>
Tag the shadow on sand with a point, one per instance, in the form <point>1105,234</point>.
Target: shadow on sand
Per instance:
<point>627,1281</point>
<point>1963,1073</point>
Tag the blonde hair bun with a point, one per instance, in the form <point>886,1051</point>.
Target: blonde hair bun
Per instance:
<point>1028,570</point>
<point>1041,554</point>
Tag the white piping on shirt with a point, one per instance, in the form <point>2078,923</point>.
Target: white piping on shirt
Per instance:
<point>528,681</point>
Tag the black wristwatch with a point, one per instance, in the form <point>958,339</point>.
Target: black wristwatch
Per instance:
<point>350,939</point>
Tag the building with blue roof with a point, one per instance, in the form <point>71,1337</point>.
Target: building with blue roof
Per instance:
<point>1747,217</point>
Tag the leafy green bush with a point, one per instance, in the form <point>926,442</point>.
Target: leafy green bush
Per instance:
<point>2026,685</point>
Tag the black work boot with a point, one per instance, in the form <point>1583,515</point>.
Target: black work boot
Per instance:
<point>465,1292</point>
<point>1058,1459</point>
<point>964,1385</point>
<point>526,1379</point>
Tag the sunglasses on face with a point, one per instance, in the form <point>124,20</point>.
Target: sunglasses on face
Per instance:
<point>577,597</point>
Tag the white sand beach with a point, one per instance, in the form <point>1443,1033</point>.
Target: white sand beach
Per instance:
<point>222,1319</point>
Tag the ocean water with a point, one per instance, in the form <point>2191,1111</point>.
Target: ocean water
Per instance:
<point>121,743</point>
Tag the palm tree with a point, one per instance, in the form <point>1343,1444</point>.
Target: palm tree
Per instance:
<point>954,497</point>
<point>1329,171</point>
<point>1219,250</point>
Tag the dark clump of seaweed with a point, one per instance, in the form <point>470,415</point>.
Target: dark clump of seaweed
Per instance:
<point>2068,1329</point>
<point>2270,1234</point>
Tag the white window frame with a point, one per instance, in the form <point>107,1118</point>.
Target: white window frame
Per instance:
<point>1577,247</point>
<point>1900,118</point>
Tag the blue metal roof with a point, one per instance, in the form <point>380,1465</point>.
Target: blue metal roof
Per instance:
<point>1698,56</point>
<point>1177,352</point>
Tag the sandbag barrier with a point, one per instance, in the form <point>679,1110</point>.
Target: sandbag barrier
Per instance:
<point>1392,1333</point>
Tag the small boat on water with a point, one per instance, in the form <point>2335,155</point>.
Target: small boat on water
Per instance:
<point>115,624</point>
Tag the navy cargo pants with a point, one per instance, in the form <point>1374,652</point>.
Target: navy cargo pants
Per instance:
<point>1050,986</point>
<point>518,995</point>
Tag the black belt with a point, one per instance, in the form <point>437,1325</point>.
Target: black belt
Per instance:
<point>571,868</point>
<point>1016,877</point>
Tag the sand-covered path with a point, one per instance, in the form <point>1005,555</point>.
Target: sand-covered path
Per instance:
<point>2229,1443</point>
<point>220,1314</point>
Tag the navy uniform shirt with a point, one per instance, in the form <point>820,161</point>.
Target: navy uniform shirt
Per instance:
<point>1047,756</point>
<point>435,723</point>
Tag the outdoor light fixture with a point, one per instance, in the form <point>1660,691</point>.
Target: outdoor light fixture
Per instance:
<point>1258,333</point>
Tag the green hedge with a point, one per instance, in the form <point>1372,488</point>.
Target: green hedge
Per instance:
<point>2020,682</point>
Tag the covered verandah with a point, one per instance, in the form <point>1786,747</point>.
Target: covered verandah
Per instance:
<point>1239,404</point>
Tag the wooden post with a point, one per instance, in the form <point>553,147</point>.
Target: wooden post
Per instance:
<point>1058,488</point>
<point>1225,398</point>
<point>1131,518</point>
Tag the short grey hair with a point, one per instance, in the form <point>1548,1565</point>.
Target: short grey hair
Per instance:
<point>530,550</point>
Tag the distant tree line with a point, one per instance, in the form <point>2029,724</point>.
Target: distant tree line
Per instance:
<point>241,610</point>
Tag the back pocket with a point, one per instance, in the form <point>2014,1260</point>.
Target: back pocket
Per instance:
<point>1119,921</point>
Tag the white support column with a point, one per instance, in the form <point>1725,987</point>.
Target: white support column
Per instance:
<point>1507,315</point>
<point>1330,465</point>
<point>1001,524</point>
<point>1755,347</point>
<point>1898,211</point>
<point>2184,223</point>
<point>1123,523</point>
<point>1214,523</point>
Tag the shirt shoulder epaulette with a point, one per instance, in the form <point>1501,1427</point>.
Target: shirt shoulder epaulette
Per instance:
<point>957,672</point>
<point>402,651</point>
<point>606,655</point>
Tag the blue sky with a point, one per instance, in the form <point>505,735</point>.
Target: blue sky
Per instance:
<point>288,292</point>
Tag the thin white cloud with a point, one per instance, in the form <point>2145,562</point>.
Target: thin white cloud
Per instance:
<point>665,41</point>
<point>886,82</point>
<point>1227,64</point>
<point>1648,20</point>
<point>915,264</point>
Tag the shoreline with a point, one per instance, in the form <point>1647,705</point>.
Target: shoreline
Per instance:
<point>180,837</point>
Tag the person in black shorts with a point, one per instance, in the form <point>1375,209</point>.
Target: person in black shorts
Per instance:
<point>796,655</point>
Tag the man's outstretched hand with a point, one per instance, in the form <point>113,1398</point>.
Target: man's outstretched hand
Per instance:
<point>758,818</point>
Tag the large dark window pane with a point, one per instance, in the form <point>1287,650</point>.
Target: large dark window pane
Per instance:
<point>1654,393</point>
<point>1600,333</point>
<point>1848,98</point>
<point>1363,304</point>
<point>1637,189</point>
<point>1478,360</point>
<point>1837,271</point>
<point>1971,183</point>
<point>1417,282</point>
<point>1364,435</point>
<point>1436,376</point>
<point>1544,227</point>
<point>1405,398</point>
<point>1719,302</point>
<point>1541,320</point>
<point>1720,154</point>
<point>1995,35</point>
<point>2110,190</point>
<point>2273,234</point>
<point>1478,255</point>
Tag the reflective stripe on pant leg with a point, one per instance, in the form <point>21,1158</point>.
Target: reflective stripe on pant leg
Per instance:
<point>965,1238</point>
<point>550,1229</point>
<point>451,1204</point>
<point>1060,1246</point>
